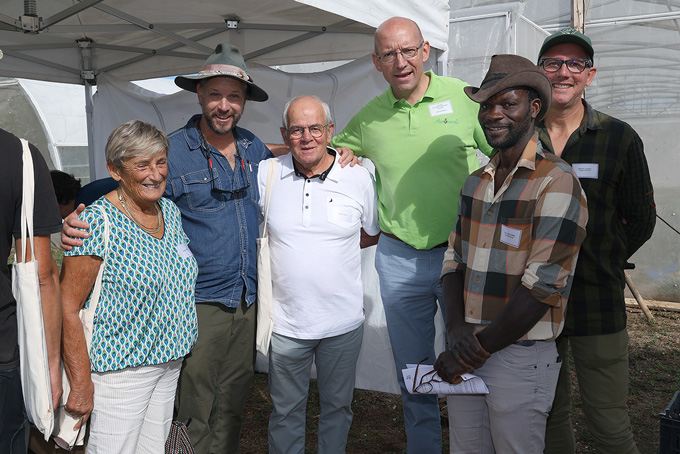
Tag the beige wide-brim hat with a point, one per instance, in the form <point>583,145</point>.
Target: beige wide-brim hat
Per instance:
<point>226,61</point>
<point>512,71</point>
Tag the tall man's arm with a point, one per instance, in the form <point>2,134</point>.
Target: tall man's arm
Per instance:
<point>50,296</point>
<point>636,197</point>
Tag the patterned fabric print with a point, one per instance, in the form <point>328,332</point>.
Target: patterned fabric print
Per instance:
<point>528,233</point>
<point>620,189</point>
<point>146,313</point>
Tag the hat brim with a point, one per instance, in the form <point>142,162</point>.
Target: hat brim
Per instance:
<point>530,79</point>
<point>190,83</point>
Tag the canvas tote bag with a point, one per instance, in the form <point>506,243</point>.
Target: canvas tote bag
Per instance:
<point>64,435</point>
<point>34,369</point>
<point>265,303</point>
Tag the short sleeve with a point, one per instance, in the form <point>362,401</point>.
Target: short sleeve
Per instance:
<point>94,244</point>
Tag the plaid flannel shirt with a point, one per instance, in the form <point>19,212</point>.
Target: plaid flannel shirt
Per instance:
<point>618,186</point>
<point>528,233</point>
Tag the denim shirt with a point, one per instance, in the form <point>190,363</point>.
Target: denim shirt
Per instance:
<point>222,226</point>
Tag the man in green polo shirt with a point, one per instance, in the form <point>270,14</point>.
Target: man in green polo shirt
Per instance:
<point>421,134</point>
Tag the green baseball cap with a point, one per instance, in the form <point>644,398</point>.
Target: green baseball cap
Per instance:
<point>568,36</point>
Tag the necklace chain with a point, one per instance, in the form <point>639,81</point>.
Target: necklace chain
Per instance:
<point>152,230</point>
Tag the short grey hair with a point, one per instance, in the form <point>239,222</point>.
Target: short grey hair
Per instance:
<point>326,110</point>
<point>132,139</point>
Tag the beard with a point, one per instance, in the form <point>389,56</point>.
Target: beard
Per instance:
<point>515,132</point>
<point>217,128</point>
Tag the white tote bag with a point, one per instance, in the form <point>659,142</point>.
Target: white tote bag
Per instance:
<point>64,435</point>
<point>35,371</point>
<point>265,303</point>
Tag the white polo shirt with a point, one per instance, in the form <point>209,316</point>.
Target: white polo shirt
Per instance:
<point>314,233</point>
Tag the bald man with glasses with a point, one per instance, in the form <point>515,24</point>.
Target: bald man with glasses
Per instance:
<point>421,133</point>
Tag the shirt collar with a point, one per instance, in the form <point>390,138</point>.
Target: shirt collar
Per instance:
<point>429,93</point>
<point>527,160</point>
<point>289,167</point>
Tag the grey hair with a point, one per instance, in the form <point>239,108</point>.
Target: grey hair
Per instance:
<point>326,109</point>
<point>132,139</point>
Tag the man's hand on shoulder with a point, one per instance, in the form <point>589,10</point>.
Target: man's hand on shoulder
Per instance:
<point>72,228</point>
<point>347,157</point>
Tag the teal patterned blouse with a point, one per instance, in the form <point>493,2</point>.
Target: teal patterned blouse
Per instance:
<point>146,313</point>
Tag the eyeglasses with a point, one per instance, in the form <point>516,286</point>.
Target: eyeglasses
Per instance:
<point>408,54</point>
<point>316,131</point>
<point>237,182</point>
<point>425,384</point>
<point>575,66</point>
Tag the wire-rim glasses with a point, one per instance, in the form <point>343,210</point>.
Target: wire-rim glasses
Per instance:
<point>575,65</point>
<point>235,188</point>
<point>425,384</point>
<point>408,53</point>
<point>316,131</point>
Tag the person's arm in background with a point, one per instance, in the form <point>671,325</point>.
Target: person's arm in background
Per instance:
<point>50,296</point>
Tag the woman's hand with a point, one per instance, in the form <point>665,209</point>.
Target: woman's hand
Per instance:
<point>81,402</point>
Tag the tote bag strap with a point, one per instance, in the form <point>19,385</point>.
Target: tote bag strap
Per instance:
<point>27,202</point>
<point>87,315</point>
<point>271,173</point>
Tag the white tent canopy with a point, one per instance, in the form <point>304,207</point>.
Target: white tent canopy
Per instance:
<point>72,41</point>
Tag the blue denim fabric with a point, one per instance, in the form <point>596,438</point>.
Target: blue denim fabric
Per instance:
<point>222,227</point>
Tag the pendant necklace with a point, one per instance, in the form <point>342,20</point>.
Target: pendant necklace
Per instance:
<point>152,230</point>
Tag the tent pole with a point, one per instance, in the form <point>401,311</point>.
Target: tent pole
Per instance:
<point>90,134</point>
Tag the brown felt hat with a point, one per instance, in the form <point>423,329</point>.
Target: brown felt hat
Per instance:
<point>512,71</point>
<point>226,61</point>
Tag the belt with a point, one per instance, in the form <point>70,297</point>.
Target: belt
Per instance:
<point>525,343</point>
<point>395,237</point>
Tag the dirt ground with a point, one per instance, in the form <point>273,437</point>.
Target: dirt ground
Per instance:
<point>378,423</point>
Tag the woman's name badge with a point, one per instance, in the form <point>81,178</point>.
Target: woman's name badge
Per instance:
<point>510,236</point>
<point>184,251</point>
<point>587,170</point>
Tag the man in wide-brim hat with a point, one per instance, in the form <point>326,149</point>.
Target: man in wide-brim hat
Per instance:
<point>507,272</point>
<point>212,177</point>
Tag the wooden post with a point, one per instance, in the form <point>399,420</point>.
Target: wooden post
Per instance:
<point>638,298</point>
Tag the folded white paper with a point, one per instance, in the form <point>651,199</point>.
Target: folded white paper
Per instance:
<point>471,384</point>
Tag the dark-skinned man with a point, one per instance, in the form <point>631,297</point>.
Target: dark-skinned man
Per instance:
<point>508,269</point>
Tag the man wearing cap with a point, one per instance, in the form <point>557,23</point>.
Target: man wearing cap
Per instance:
<point>608,157</point>
<point>421,134</point>
<point>508,269</point>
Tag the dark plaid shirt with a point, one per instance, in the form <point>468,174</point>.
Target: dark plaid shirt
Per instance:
<point>615,177</point>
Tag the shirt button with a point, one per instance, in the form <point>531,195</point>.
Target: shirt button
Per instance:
<point>477,279</point>
<point>489,212</point>
<point>306,207</point>
<point>307,195</point>
<point>309,181</point>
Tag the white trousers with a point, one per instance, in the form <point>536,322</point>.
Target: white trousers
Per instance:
<point>133,409</point>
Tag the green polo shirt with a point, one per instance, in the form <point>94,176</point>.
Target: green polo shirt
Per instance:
<point>422,154</point>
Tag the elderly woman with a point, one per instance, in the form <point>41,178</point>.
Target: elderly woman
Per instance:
<point>145,321</point>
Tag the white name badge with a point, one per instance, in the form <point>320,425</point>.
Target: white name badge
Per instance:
<point>184,251</point>
<point>510,236</point>
<point>587,170</point>
<point>440,108</point>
